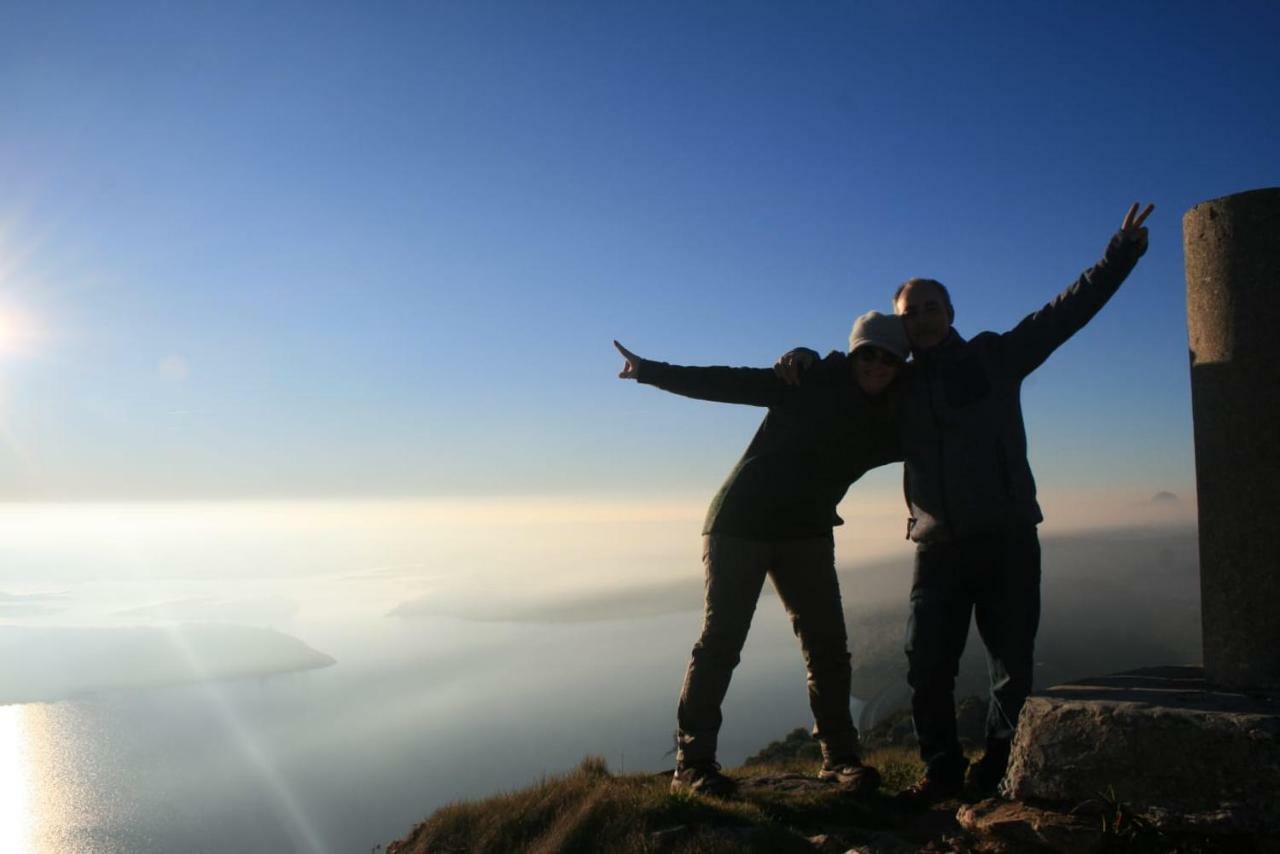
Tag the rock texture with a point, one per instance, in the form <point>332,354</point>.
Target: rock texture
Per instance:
<point>1232,248</point>
<point>1013,826</point>
<point>1158,740</point>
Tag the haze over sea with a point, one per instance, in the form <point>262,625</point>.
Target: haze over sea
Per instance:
<point>466,659</point>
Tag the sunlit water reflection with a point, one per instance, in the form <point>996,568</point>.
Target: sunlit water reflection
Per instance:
<point>415,714</point>
<point>17,783</point>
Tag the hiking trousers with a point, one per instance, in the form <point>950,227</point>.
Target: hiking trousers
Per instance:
<point>996,578</point>
<point>804,574</point>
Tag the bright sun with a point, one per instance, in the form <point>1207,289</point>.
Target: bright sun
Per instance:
<point>19,332</point>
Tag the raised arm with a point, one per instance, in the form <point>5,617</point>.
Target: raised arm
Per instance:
<point>1028,344</point>
<point>751,386</point>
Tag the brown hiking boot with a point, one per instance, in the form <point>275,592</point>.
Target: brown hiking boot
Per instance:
<point>703,779</point>
<point>851,775</point>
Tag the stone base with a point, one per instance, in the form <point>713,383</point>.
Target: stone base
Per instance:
<point>1160,741</point>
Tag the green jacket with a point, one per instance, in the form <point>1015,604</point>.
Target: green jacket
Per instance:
<point>814,442</point>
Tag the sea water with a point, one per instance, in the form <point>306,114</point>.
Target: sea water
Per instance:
<point>414,714</point>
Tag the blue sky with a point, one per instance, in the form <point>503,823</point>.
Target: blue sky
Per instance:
<point>329,250</point>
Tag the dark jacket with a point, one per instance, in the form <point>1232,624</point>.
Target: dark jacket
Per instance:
<point>814,442</point>
<point>962,431</point>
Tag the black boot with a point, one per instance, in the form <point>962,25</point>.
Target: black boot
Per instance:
<point>985,775</point>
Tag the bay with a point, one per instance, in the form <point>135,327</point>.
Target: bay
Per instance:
<point>414,714</point>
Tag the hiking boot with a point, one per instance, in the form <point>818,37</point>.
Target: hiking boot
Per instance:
<point>933,788</point>
<point>851,775</point>
<point>983,779</point>
<point>703,779</point>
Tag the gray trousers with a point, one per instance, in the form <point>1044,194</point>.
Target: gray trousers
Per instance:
<point>804,574</point>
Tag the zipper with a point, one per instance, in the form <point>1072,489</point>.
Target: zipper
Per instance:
<point>942,450</point>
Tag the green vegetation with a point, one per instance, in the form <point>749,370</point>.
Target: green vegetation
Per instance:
<point>590,809</point>
<point>895,731</point>
<point>780,809</point>
<point>797,746</point>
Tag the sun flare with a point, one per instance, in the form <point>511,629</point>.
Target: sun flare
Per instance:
<point>20,333</point>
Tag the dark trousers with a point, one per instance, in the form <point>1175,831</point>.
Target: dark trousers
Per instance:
<point>996,577</point>
<point>804,574</point>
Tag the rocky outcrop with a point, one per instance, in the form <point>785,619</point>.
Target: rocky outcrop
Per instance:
<point>1012,826</point>
<point>1171,748</point>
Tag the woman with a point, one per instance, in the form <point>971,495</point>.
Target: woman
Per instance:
<point>773,516</point>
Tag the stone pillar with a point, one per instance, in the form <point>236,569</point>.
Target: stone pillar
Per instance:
<point>1232,247</point>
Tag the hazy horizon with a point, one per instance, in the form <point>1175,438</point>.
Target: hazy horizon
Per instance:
<point>285,566</point>
<point>370,557</point>
<point>183,754</point>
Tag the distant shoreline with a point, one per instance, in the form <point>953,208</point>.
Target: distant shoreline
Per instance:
<point>52,664</point>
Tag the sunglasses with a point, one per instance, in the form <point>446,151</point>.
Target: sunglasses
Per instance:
<point>871,355</point>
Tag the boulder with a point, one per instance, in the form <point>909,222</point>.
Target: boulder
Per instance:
<point>1159,741</point>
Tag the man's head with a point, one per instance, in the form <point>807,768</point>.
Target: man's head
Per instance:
<point>925,308</point>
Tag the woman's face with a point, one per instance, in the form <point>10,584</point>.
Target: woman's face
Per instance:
<point>874,368</point>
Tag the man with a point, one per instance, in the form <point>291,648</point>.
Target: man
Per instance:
<point>773,516</point>
<point>972,502</point>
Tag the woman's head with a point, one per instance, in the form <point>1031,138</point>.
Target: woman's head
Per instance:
<point>878,344</point>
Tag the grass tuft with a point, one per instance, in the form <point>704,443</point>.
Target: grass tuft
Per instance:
<point>594,766</point>
<point>591,809</point>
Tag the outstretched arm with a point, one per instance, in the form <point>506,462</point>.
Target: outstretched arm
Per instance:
<point>1028,344</point>
<point>752,386</point>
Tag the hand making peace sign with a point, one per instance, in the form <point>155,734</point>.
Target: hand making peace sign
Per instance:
<point>1132,230</point>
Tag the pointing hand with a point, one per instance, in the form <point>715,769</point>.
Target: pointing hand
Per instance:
<point>632,367</point>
